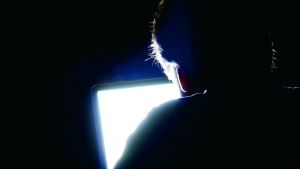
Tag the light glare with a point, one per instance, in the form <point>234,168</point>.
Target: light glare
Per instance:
<point>123,109</point>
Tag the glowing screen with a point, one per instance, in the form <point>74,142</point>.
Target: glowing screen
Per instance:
<point>121,110</point>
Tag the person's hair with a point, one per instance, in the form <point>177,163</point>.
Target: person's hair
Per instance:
<point>169,68</point>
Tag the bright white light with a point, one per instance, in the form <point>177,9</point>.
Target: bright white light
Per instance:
<point>123,109</point>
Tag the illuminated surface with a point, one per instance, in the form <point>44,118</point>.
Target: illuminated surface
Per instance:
<point>123,109</point>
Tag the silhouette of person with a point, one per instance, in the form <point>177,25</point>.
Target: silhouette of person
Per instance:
<point>231,114</point>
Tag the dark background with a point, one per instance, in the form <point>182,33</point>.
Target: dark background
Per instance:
<point>67,47</point>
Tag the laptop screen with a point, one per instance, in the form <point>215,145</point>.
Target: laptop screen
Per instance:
<point>118,109</point>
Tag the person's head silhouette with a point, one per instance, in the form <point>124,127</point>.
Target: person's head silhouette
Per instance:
<point>207,45</point>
